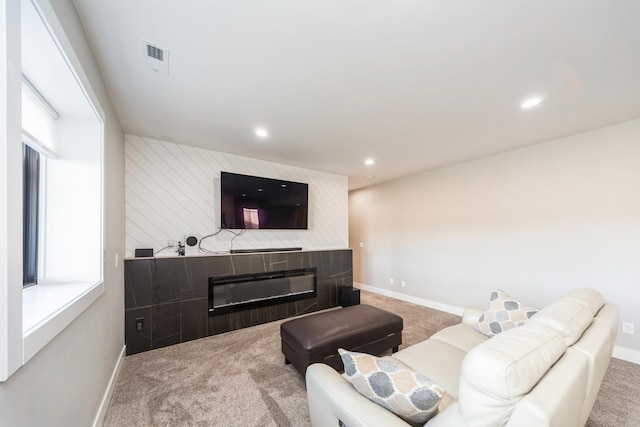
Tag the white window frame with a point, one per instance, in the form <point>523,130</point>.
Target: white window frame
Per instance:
<point>30,318</point>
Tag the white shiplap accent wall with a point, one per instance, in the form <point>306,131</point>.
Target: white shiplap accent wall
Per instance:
<point>173,191</point>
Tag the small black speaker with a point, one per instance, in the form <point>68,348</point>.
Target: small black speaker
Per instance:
<point>349,296</point>
<point>144,253</point>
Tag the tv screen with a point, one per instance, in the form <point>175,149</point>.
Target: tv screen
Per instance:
<point>251,202</point>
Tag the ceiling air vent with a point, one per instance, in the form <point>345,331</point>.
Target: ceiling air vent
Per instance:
<point>155,52</point>
<point>157,57</point>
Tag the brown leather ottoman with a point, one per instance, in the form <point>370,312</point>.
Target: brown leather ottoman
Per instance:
<point>317,337</point>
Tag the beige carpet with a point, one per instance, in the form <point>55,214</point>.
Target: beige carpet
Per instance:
<point>240,379</point>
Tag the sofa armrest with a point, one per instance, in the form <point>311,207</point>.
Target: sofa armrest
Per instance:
<point>332,399</point>
<point>471,315</point>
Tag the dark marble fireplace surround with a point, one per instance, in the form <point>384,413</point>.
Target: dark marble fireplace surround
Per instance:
<point>167,299</point>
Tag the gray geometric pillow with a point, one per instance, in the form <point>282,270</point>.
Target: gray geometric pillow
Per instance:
<point>403,391</point>
<point>504,313</point>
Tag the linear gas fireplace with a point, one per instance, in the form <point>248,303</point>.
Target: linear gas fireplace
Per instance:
<point>234,293</point>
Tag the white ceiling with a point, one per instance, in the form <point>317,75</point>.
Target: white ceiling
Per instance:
<point>415,84</point>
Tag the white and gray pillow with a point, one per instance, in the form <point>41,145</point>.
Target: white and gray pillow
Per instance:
<point>504,313</point>
<point>403,391</point>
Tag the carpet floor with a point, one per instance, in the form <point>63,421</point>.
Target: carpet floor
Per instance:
<point>240,379</point>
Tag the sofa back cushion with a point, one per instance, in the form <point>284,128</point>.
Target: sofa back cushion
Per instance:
<point>497,373</point>
<point>572,314</point>
<point>557,399</point>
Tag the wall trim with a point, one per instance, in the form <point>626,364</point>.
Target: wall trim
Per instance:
<point>626,354</point>
<point>106,399</point>
<point>410,298</point>
<point>622,353</point>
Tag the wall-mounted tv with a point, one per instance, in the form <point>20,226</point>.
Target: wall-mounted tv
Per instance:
<point>251,202</point>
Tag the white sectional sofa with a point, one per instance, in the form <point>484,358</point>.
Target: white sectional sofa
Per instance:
<point>544,373</point>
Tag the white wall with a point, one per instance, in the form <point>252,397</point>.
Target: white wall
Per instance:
<point>173,190</point>
<point>64,383</point>
<point>535,222</point>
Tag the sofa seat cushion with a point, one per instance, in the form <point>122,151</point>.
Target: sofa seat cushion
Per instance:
<point>437,360</point>
<point>571,314</point>
<point>462,336</point>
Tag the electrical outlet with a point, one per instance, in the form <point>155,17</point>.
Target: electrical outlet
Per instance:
<point>627,328</point>
<point>171,243</point>
<point>139,324</point>
<point>362,244</point>
<point>403,284</point>
<point>391,281</point>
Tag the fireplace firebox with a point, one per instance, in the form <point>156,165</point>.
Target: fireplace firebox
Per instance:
<point>235,293</point>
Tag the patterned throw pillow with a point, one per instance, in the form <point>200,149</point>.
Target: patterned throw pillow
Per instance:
<point>405,392</point>
<point>504,313</point>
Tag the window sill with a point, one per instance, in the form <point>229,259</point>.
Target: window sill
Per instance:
<point>48,309</point>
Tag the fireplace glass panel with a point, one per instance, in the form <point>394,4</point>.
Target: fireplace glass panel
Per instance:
<point>242,292</point>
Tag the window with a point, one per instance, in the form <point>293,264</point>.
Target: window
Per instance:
<point>251,218</point>
<point>30,217</point>
<point>39,137</point>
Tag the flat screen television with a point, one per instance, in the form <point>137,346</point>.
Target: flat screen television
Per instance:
<point>251,202</point>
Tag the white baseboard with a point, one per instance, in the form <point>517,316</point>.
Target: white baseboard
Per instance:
<point>104,405</point>
<point>414,300</point>
<point>621,353</point>
<point>626,354</point>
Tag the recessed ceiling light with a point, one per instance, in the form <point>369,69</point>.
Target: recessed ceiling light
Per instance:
<point>259,189</point>
<point>369,162</point>
<point>283,185</point>
<point>531,102</point>
<point>369,176</point>
<point>262,133</point>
